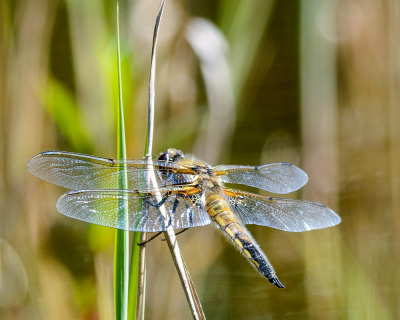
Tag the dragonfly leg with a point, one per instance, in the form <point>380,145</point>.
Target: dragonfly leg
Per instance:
<point>169,177</point>
<point>157,205</point>
<point>147,241</point>
<point>190,213</point>
<point>172,215</point>
<point>171,219</point>
<point>182,231</point>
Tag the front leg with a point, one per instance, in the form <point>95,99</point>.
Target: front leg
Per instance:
<point>189,212</point>
<point>159,204</point>
<point>171,217</point>
<point>174,207</point>
<point>147,241</point>
<point>156,205</point>
<point>147,204</point>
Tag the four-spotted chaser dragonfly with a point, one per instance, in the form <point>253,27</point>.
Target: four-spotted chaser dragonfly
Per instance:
<point>190,191</point>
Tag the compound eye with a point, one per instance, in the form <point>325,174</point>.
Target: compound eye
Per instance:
<point>164,157</point>
<point>180,154</point>
<point>176,158</point>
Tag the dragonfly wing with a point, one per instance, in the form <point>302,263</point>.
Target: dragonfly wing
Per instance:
<point>283,214</point>
<point>274,177</point>
<point>107,208</point>
<point>79,171</point>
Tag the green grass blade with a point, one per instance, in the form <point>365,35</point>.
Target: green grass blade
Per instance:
<point>134,275</point>
<point>121,253</point>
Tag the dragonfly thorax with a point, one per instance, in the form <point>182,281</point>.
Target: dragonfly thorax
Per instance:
<point>202,173</point>
<point>208,181</point>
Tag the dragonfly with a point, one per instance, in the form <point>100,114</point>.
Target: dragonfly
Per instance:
<point>180,191</point>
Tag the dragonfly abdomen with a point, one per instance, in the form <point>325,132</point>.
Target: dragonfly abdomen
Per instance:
<point>221,213</point>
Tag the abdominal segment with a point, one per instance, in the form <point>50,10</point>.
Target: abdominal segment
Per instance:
<point>221,212</point>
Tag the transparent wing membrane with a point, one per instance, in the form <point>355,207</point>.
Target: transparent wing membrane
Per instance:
<point>98,197</point>
<point>79,171</point>
<point>274,177</point>
<point>282,214</point>
<point>142,210</point>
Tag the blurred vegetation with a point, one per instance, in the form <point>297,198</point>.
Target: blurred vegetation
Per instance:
<point>315,83</point>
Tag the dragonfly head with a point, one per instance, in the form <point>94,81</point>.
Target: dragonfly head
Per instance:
<point>172,155</point>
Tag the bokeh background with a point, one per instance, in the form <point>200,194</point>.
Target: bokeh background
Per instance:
<point>312,82</point>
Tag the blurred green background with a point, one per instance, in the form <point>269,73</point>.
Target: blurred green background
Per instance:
<point>312,82</point>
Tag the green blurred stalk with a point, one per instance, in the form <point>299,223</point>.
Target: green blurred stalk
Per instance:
<point>121,253</point>
<point>244,41</point>
<point>134,276</point>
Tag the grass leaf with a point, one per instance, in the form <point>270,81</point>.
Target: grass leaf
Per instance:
<point>121,253</point>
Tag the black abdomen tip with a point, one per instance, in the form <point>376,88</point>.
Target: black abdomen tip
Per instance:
<point>267,272</point>
<point>275,281</point>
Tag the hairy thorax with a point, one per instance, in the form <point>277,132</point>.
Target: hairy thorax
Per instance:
<point>204,177</point>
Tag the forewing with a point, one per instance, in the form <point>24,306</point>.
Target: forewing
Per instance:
<point>79,171</point>
<point>274,177</point>
<point>133,211</point>
<point>282,214</point>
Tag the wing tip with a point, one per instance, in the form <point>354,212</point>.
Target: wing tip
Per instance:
<point>295,174</point>
<point>333,216</point>
<point>337,218</point>
<point>32,164</point>
<point>33,161</point>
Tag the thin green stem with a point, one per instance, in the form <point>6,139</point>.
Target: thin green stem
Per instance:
<point>121,253</point>
<point>136,288</point>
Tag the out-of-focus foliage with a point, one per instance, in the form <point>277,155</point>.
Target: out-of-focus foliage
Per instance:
<point>311,82</point>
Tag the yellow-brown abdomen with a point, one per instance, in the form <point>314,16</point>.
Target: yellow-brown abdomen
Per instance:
<point>221,212</point>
